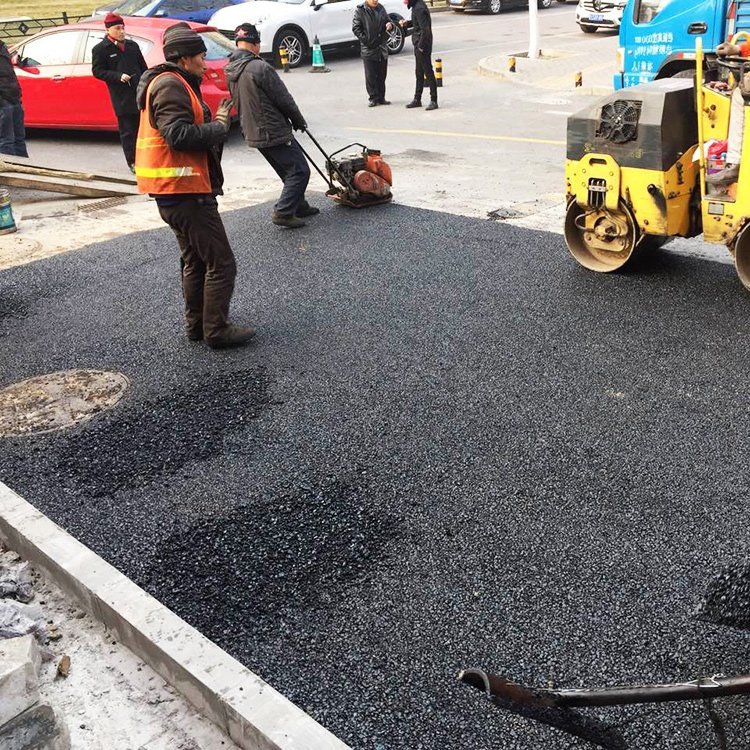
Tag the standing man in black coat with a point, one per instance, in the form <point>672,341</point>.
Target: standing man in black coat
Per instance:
<point>119,63</point>
<point>372,26</point>
<point>421,37</point>
<point>12,131</point>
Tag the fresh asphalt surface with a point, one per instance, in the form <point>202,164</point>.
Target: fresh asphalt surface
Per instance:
<point>449,447</point>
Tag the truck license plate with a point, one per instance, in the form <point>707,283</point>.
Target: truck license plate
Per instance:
<point>596,17</point>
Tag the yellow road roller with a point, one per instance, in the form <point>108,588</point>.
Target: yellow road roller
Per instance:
<point>635,172</point>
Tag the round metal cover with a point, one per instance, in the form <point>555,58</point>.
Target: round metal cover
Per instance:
<point>58,400</point>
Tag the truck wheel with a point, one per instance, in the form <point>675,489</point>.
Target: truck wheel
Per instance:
<point>587,29</point>
<point>296,47</point>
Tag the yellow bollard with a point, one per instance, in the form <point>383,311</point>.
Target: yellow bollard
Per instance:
<point>511,64</point>
<point>579,80</point>
<point>438,72</point>
<point>284,55</point>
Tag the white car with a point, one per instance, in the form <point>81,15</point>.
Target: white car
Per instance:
<point>599,14</point>
<point>294,24</point>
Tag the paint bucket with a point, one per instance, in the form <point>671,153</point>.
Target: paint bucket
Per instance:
<point>7,225</point>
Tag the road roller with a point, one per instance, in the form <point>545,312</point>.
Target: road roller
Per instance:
<point>636,171</point>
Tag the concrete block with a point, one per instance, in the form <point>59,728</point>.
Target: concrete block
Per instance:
<point>20,661</point>
<point>37,728</point>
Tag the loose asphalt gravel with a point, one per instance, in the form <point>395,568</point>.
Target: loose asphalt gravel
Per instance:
<point>449,447</point>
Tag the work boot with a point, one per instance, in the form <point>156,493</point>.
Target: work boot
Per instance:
<point>413,104</point>
<point>306,210</point>
<point>432,105</point>
<point>383,101</point>
<point>231,336</point>
<point>726,176</point>
<point>290,222</point>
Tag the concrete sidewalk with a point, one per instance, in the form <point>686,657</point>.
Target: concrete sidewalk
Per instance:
<point>558,66</point>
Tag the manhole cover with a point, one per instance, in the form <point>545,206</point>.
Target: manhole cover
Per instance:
<point>58,400</point>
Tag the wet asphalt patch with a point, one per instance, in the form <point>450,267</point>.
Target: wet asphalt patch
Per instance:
<point>448,447</point>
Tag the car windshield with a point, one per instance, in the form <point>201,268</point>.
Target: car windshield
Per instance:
<point>134,7</point>
<point>218,47</point>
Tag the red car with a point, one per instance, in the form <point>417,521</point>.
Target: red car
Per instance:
<point>54,70</point>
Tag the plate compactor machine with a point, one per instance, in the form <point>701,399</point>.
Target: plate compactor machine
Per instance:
<point>357,180</point>
<point>636,173</point>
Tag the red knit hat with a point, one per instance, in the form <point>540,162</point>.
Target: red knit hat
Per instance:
<point>112,19</point>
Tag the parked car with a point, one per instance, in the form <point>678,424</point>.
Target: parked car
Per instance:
<point>294,24</point>
<point>599,14</point>
<point>494,6</point>
<point>198,11</point>
<point>59,91</point>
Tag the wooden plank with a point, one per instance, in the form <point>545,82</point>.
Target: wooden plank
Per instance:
<point>85,189</point>
<point>26,163</point>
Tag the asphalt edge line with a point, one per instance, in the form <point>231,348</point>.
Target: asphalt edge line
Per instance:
<point>252,713</point>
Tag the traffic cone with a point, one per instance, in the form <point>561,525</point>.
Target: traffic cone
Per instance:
<point>318,64</point>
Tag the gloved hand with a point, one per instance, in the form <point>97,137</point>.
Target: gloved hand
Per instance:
<point>727,49</point>
<point>300,125</point>
<point>223,112</point>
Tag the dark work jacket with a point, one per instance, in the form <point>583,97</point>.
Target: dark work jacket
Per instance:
<point>368,26</point>
<point>10,90</point>
<point>265,106</point>
<point>108,63</point>
<point>421,25</point>
<point>171,113</point>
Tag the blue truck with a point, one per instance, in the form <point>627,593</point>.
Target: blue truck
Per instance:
<point>657,37</point>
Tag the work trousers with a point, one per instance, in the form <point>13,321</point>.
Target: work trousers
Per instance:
<point>128,127</point>
<point>12,131</point>
<point>208,265</point>
<point>423,69</point>
<point>736,127</point>
<point>375,75</point>
<point>290,164</point>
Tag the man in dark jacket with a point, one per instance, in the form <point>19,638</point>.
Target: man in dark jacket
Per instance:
<point>12,132</point>
<point>267,115</point>
<point>421,37</point>
<point>372,27</point>
<point>119,63</point>
<point>178,162</point>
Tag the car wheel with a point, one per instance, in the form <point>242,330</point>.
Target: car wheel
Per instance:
<point>587,29</point>
<point>544,3</point>
<point>395,37</point>
<point>494,6</point>
<point>296,47</point>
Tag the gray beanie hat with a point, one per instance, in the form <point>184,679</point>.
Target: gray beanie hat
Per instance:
<point>181,41</point>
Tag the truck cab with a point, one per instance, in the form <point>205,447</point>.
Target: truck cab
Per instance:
<point>657,37</point>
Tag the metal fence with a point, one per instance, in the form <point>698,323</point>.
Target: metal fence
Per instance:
<point>12,31</point>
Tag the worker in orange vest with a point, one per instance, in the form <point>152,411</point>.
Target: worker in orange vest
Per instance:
<point>178,163</point>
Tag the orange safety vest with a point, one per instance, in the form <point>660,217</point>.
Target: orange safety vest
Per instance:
<point>158,168</point>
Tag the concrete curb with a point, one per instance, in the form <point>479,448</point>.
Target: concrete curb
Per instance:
<point>487,67</point>
<point>246,708</point>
